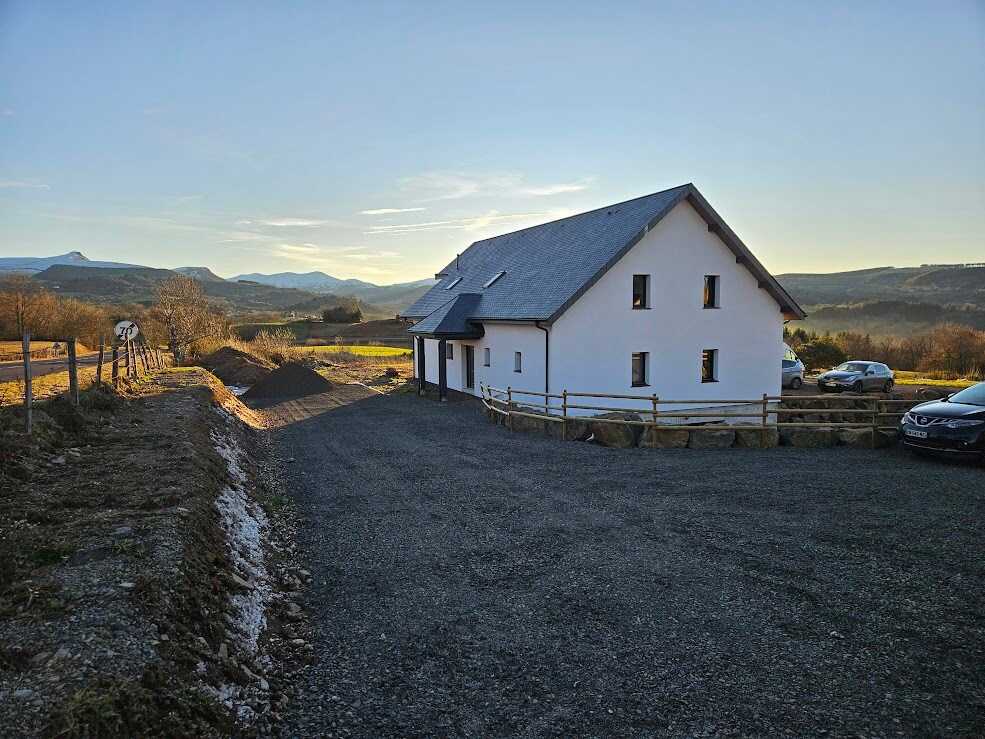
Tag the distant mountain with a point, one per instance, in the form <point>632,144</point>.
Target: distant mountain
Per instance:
<point>889,318</point>
<point>397,296</point>
<point>943,284</point>
<point>199,273</point>
<point>32,265</point>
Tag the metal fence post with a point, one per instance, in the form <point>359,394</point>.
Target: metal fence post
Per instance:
<point>28,389</point>
<point>73,371</point>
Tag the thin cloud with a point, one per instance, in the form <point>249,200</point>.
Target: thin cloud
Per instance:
<point>21,185</point>
<point>291,222</point>
<point>6,111</point>
<point>384,211</point>
<point>470,224</point>
<point>447,185</point>
<point>560,188</point>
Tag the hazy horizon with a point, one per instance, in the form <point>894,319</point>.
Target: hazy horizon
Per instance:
<point>376,142</point>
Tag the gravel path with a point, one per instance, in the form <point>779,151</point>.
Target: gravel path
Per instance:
<point>472,582</point>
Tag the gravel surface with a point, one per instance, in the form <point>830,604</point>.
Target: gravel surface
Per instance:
<point>473,582</point>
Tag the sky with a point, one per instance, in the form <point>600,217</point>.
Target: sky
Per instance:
<point>376,140</point>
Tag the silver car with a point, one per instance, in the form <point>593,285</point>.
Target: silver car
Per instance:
<point>793,373</point>
<point>857,377</point>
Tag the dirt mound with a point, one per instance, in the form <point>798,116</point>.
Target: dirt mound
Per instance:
<point>236,368</point>
<point>291,379</point>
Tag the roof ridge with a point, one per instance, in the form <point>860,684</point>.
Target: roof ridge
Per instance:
<point>586,212</point>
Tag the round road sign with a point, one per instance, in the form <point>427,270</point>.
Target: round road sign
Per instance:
<point>126,330</point>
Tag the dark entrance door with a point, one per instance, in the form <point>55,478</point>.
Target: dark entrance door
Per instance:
<point>469,366</point>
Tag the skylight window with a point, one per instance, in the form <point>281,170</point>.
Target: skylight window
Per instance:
<point>452,284</point>
<point>493,279</point>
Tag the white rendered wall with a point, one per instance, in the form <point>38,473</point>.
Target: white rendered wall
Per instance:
<point>502,340</point>
<point>593,342</point>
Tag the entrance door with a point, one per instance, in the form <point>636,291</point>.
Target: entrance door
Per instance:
<point>469,366</point>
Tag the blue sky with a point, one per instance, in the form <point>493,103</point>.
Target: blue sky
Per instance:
<point>375,140</point>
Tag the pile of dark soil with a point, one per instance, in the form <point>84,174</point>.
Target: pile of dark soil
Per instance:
<point>236,368</point>
<point>290,380</point>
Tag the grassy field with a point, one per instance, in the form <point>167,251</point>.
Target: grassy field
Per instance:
<point>918,378</point>
<point>11,350</point>
<point>362,351</point>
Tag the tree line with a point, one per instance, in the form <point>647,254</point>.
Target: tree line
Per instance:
<point>947,351</point>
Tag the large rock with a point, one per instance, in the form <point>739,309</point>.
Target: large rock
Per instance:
<point>752,439</point>
<point>525,424</point>
<point>809,437</point>
<point>616,434</point>
<point>575,430</point>
<point>667,437</point>
<point>862,438</point>
<point>711,438</point>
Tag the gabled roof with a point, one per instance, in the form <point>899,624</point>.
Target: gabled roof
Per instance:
<point>451,320</point>
<point>548,267</point>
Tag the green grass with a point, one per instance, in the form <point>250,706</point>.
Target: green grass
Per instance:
<point>362,351</point>
<point>919,378</point>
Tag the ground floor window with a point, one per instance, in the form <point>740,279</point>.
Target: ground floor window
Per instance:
<point>709,365</point>
<point>517,362</point>
<point>449,350</point>
<point>485,357</point>
<point>640,361</point>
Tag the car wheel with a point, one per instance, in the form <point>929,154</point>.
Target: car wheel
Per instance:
<point>858,387</point>
<point>795,383</point>
<point>888,387</point>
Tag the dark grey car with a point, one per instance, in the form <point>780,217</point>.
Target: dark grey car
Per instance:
<point>857,377</point>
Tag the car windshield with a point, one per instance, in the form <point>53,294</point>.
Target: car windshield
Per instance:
<point>852,367</point>
<point>974,395</point>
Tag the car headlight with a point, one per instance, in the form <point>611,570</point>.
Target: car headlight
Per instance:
<point>962,423</point>
<point>908,417</point>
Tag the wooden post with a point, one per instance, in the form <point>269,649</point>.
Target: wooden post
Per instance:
<point>99,363</point>
<point>116,366</point>
<point>73,371</point>
<point>653,430</point>
<point>509,406</point>
<point>132,359</point>
<point>442,369</point>
<point>875,424</point>
<point>762,434</point>
<point>564,415</point>
<point>28,390</point>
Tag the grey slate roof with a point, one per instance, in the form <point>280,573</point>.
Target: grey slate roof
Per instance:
<point>549,266</point>
<point>452,318</point>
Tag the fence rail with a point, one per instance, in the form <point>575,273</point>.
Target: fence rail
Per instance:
<point>127,361</point>
<point>875,417</point>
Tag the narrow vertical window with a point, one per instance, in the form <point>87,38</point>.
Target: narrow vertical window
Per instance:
<point>640,361</point>
<point>517,362</point>
<point>711,291</point>
<point>709,365</point>
<point>450,350</point>
<point>485,357</point>
<point>641,291</point>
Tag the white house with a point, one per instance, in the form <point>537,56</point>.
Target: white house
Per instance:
<point>655,295</point>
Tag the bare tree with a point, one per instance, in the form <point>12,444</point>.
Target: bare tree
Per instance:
<point>185,314</point>
<point>25,306</point>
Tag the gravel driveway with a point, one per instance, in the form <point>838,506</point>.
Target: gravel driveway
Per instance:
<point>473,582</point>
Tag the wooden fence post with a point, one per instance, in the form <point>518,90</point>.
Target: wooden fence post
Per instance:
<point>653,430</point>
<point>509,405</point>
<point>132,359</point>
<point>875,424</point>
<point>28,390</point>
<point>116,366</point>
<point>99,363</point>
<point>73,371</point>
<point>564,415</point>
<point>762,434</point>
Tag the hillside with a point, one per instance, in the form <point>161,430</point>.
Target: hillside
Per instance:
<point>199,273</point>
<point>394,297</point>
<point>136,285</point>
<point>889,318</point>
<point>38,264</point>
<point>943,284</point>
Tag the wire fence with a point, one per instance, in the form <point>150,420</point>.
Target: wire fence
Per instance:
<point>760,414</point>
<point>30,378</point>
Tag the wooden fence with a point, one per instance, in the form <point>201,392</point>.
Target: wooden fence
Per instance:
<point>126,361</point>
<point>875,417</point>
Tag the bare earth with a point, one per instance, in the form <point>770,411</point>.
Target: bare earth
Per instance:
<point>472,582</point>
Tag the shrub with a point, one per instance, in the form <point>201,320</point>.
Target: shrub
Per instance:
<point>820,354</point>
<point>391,372</point>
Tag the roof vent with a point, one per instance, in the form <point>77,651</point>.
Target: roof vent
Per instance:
<point>492,279</point>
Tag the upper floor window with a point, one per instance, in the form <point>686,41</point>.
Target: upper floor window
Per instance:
<point>641,291</point>
<point>709,365</point>
<point>450,350</point>
<point>711,291</point>
<point>486,357</point>
<point>517,362</point>
<point>640,361</point>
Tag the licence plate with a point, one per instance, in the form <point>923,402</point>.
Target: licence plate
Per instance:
<point>831,384</point>
<point>916,434</point>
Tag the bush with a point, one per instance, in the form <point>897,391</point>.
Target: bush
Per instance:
<point>820,354</point>
<point>347,311</point>
<point>391,372</point>
<point>277,346</point>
